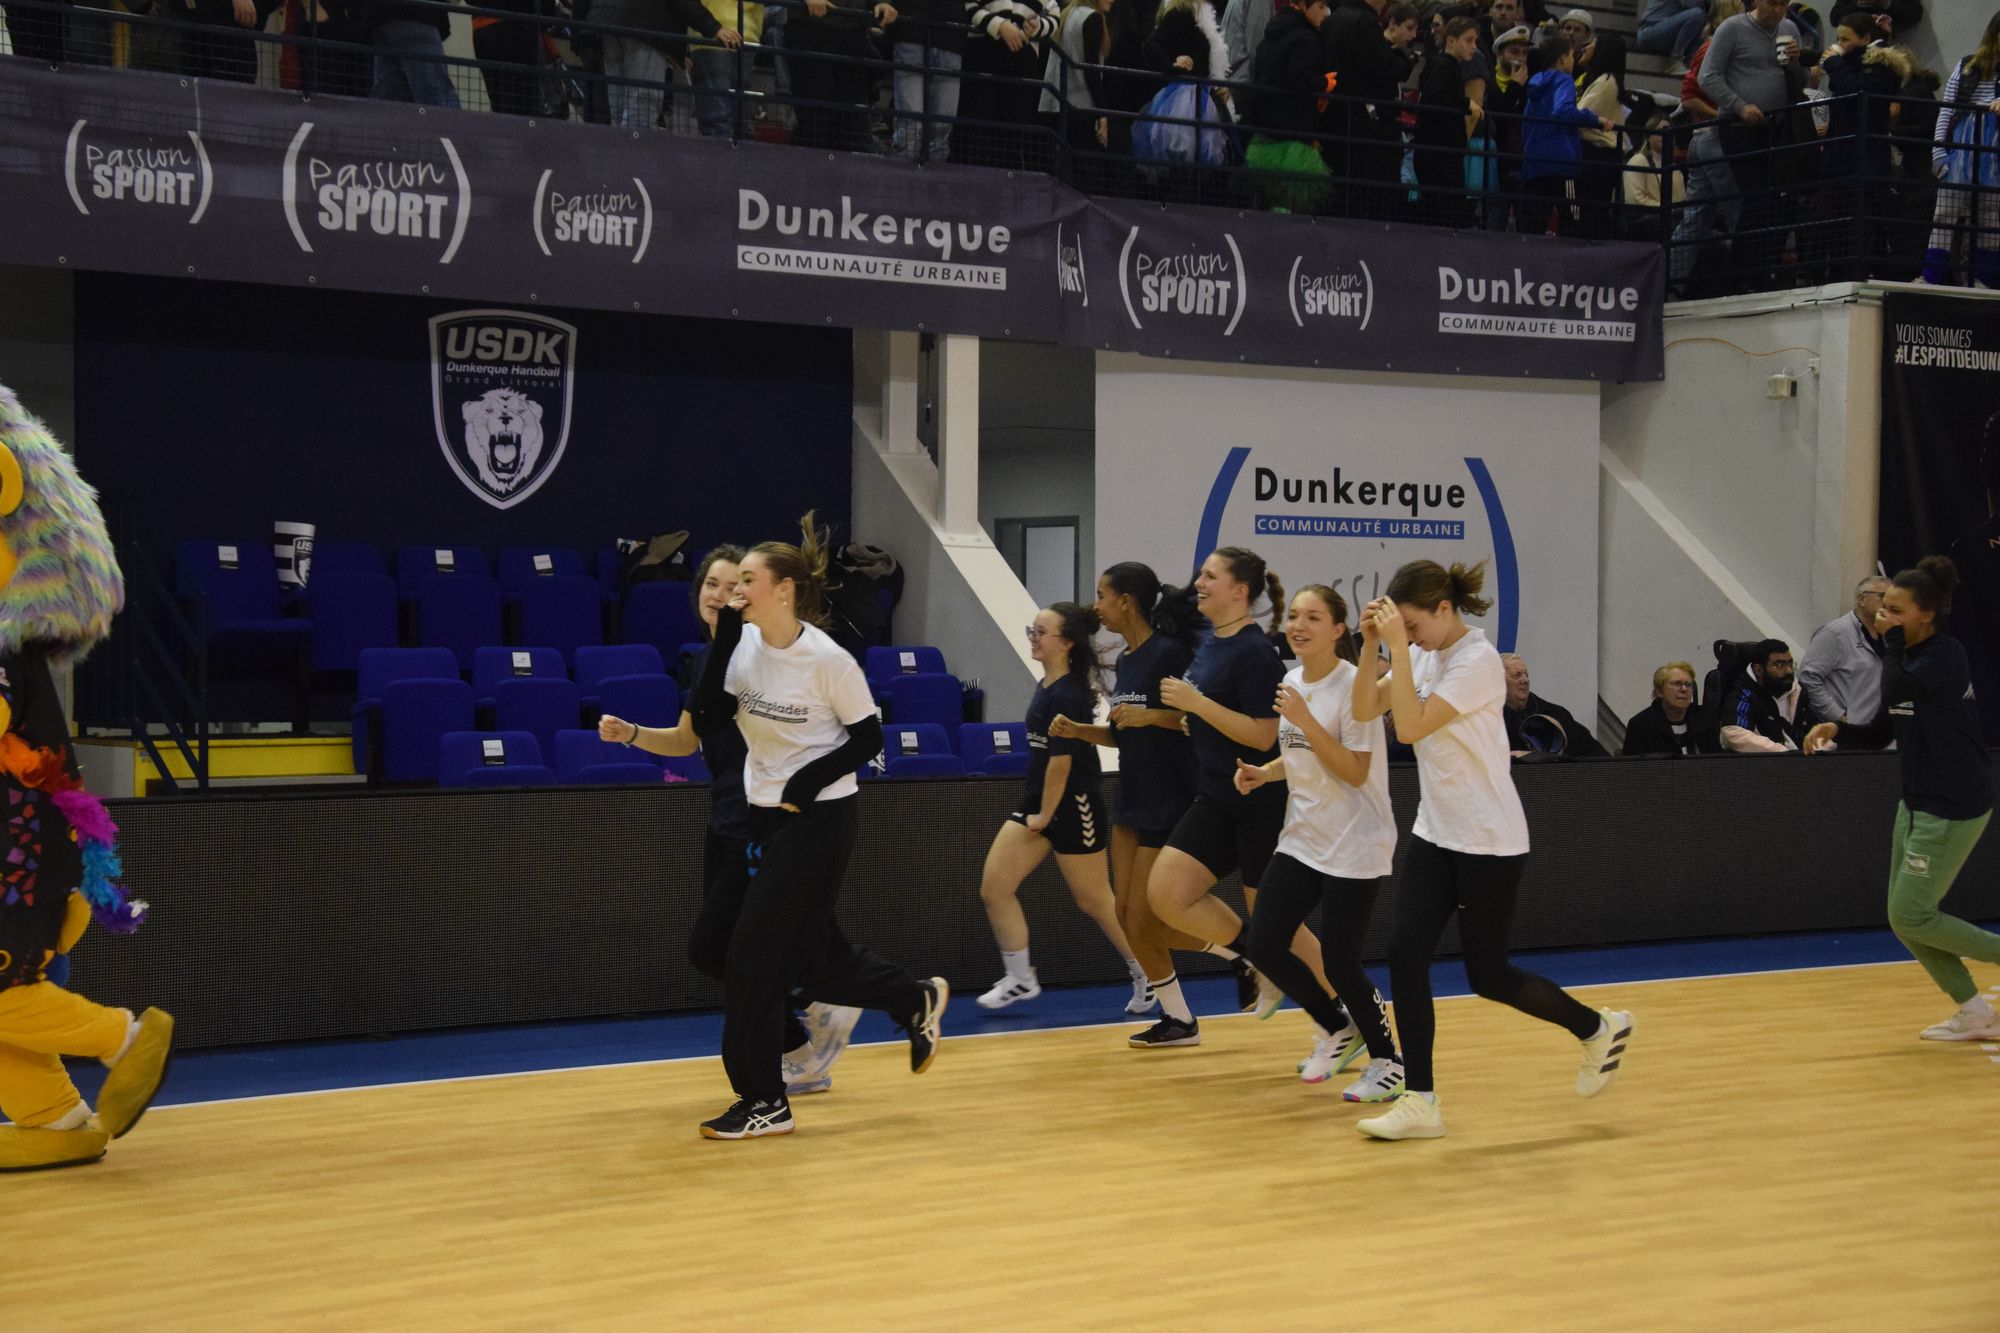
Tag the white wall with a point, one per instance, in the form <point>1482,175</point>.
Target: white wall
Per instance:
<point>1037,440</point>
<point>1723,513</point>
<point>1950,31</point>
<point>38,344</point>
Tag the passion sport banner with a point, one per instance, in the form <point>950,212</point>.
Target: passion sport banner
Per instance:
<point>1941,462</point>
<point>143,173</point>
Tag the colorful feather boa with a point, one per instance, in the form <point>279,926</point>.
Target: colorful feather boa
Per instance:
<point>96,833</point>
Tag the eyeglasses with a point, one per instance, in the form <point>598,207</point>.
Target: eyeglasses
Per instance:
<point>1680,685</point>
<point>1035,633</point>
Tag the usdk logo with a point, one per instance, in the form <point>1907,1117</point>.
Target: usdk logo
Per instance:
<point>1331,292</point>
<point>409,198</point>
<point>1198,282</point>
<point>595,221</point>
<point>1070,277</point>
<point>501,387</point>
<point>157,173</point>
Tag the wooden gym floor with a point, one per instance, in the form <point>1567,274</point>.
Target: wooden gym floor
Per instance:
<point>1782,1153</point>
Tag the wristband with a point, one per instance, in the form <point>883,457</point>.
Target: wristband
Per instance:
<point>628,744</point>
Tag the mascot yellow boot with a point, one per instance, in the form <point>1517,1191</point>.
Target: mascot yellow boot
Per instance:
<point>59,588</point>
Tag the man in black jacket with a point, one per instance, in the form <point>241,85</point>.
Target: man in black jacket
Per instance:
<point>1766,712</point>
<point>1364,143</point>
<point>1523,705</point>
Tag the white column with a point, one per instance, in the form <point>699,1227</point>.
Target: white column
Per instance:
<point>958,434</point>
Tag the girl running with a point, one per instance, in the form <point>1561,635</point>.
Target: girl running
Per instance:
<point>1338,843</point>
<point>1159,625</point>
<point>1060,808</point>
<point>1227,695</point>
<point>1928,710</point>
<point>810,1047</point>
<point>1469,845</point>
<point>809,722</point>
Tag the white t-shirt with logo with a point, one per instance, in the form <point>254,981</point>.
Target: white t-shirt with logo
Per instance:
<point>1331,827</point>
<point>794,704</point>
<point>1464,772</point>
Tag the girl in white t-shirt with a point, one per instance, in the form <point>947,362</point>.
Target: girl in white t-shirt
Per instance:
<point>1338,843</point>
<point>1469,845</point>
<point>809,722</point>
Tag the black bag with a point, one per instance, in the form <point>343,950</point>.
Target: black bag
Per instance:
<point>655,559</point>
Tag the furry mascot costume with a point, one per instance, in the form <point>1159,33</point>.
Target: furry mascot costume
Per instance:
<point>59,588</point>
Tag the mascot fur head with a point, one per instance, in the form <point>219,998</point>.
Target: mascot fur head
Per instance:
<point>59,580</point>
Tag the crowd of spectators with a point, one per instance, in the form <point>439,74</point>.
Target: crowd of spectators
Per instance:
<point>1503,114</point>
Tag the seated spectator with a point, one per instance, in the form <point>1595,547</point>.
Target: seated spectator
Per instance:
<point>1523,705</point>
<point>1842,670</point>
<point>1642,185</point>
<point>1668,725</point>
<point>1673,28</point>
<point>1766,712</point>
<point>408,36</point>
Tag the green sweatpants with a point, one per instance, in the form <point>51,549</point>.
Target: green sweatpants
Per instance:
<point>1928,855</point>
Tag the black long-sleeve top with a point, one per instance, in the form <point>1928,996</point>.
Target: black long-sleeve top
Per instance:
<point>1928,710</point>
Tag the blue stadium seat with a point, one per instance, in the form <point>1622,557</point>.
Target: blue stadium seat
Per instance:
<point>980,743</point>
<point>346,558</point>
<point>930,697</point>
<point>234,587</point>
<point>535,704</point>
<point>414,716</point>
<point>651,701</point>
<point>414,564</point>
<point>684,657</point>
<point>1002,765</point>
<point>376,669</point>
<point>458,611</point>
<point>350,612</point>
<point>660,614</point>
<point>578,749</point>
<point>465,758</point>
<point>909,660</point>
<point>510,775</point>
<point>925,766</point>
<point>518,566</point>
<point>562,611</point>
<point>492,665</point>
<point>627,772</point>
<point>915,738</point>
<point>610,572</point>
<point>598,661</point>
<point>688,768</point>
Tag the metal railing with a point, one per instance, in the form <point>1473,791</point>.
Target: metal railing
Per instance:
<point>1837,189</point>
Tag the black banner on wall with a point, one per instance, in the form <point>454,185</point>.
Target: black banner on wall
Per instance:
<point>1941,461</point>
<point>148,174</point>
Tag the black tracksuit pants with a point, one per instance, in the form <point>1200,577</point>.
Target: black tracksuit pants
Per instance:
<point>1286,896</point>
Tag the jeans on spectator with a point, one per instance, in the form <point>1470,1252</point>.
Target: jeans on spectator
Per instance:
<point>776,17</point>
<point>1677,35</point>
<point>410,67</point>
<point>913,134</point>
<point>1711,186</point>
<point>637,75</point>
<point>714,83</point>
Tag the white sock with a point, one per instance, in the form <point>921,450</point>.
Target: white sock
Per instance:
<point>1221,951</point>
<point>131,1035</point>
<point>1017,965</point>
<point>1138,972</point>
<point>1430,1097</point>
<point>1978,1006</point>
<point>1172,1003</point>
<point>78,1118</point>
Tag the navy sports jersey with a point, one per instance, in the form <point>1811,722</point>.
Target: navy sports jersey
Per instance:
<point>1242,673</point>
<point>1928,703</point>
<point>1069,697</point>
<point>1155,764</point>
<point>724,753</point>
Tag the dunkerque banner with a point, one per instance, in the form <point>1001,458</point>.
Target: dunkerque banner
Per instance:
<point>144,173</point>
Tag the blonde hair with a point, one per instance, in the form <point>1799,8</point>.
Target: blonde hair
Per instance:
<point>1660,676</point>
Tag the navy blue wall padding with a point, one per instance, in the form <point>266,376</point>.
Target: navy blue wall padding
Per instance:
<point>609,775</point>
<point>563,611</point>
<point>416,563</point>
<point>492,665</point>
<point>660,614</point>
<point>691,768</point>
<point>925,698</point>
<point>375,669</point>
<point>926,766</point>
<point>350,612</point>
<point>651,701</point>
<point>335,421</point>
<point>347,558</point>
<point>537,704</point>
<point>459,752</point>
<point>415,715</point>
<point>882,663</point>
<point>460,612</point>
<point>597,661</point>
<point>515,566</point>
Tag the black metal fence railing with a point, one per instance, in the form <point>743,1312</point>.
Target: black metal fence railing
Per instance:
<point>1848,187</point>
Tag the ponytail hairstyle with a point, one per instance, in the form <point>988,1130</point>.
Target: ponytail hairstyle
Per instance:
<point>1247,567</point>
<point>1425,583</point>
<point>731,554</point>
<point>1337,605</point>
<point>804,565</point>
<point>1169,610</point>
<point>1930,584</point>
<point>1079,625</point>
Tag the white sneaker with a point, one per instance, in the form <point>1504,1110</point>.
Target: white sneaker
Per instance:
<point>1603,1053</point>
<point>1143,999</point>
<point>1380,1082</point>
<point>1269,998</point>
<point>1964,1026</point>
<point>800,1078</point>
<point>1010,989</point>
<point>1415,1115</point>
<point>828,1026</point>
<point>1332,1054</point>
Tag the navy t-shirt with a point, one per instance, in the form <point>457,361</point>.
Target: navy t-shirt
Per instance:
<point>1242,673</point>
<point>725,754</point>
<point>1927,697</point>
<point>1069,697</point>
<point>1155,764</point>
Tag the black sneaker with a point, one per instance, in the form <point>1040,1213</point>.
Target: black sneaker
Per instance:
<point>750,1120</point>
<point>926,1025</point>
<point>1246,984</point>
<point>1169,1031</point>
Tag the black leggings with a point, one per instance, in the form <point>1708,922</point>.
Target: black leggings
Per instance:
<point>1285,898</point>
<point>725,879</point>
<point>787,940</point>
<point>1481,889</point>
